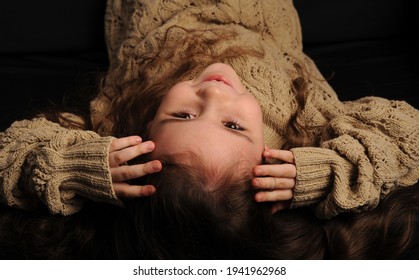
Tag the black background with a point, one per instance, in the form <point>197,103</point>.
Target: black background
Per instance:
<point>50,48</point>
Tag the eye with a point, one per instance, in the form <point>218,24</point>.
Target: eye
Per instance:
<point>233,125</point>
<point>183,115</point>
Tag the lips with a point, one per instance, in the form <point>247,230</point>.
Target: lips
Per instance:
<point>217,78</point>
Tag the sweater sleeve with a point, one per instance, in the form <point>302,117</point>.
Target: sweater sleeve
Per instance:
<point>364,154</point>
<point>42,162</point>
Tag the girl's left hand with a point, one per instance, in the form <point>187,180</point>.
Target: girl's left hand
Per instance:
<point>276,182</point>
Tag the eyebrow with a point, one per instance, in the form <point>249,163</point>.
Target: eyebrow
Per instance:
<point>244,136</point>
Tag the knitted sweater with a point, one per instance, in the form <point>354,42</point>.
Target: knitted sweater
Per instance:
<point>368,146</point>
<point>44,163</point>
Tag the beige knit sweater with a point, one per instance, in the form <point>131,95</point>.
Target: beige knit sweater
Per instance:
<point>368,147</point>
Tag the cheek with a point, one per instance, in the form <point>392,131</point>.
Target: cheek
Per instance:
<point>169,141</point>
<point>160,137</point>
<point>251,153</point>
<point>151,132</point>
<point>252,105</point>
<point>178,92</point>
<point>257,111</point>
<point>162,148</point>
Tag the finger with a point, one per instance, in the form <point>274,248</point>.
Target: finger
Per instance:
<point>124,142</point>
<point>118,157</point>
<point>124,190</point>
<point>284,155</point>
<point>286,170</point>
<point>128,172</point>
<point>278,206</point>
<point>273,183</point>
<point>274,196</point>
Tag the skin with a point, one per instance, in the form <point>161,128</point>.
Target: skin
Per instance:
<point>214,116</point>
<point>123,150</point>
<point>276,181</point>
<point>200,114</point>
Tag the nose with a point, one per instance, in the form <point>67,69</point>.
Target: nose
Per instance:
<point>216,93</point>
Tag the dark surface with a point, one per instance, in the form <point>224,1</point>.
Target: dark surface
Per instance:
<point>369,46</point>
<point>49,48</point>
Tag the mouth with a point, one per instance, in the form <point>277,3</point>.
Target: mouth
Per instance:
<point>218,78</point>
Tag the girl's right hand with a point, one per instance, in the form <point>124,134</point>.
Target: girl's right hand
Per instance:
<point>121,151</point>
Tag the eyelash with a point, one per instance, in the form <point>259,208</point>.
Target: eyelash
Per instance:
<point>183,115</point>
<point>228,124</point>
<point>235,122</point>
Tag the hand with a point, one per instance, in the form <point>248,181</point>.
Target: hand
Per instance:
<point>275,181</point>
<point>123,150</point>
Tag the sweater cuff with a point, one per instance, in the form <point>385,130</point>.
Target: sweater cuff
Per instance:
<point>313,179</point>
<point>64,180</point>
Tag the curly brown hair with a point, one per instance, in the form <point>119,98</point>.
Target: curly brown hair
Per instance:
<point>184,220</point>
<point>134,102</point>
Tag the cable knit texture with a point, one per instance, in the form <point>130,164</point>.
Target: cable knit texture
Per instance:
<point>43,162</point>
<point>136,28</point>
<point>368,147</point>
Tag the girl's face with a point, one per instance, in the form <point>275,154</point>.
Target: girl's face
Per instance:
<point>213,115</point>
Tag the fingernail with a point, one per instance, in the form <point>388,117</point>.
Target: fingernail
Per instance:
<point>259,197</point>
<point>137,140</point>
<point>151,189</point>
<point>156,166</point>
<point>266,154</point>
<point>255,182</point>
<point>150,146</point>
<point>258,171</point>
